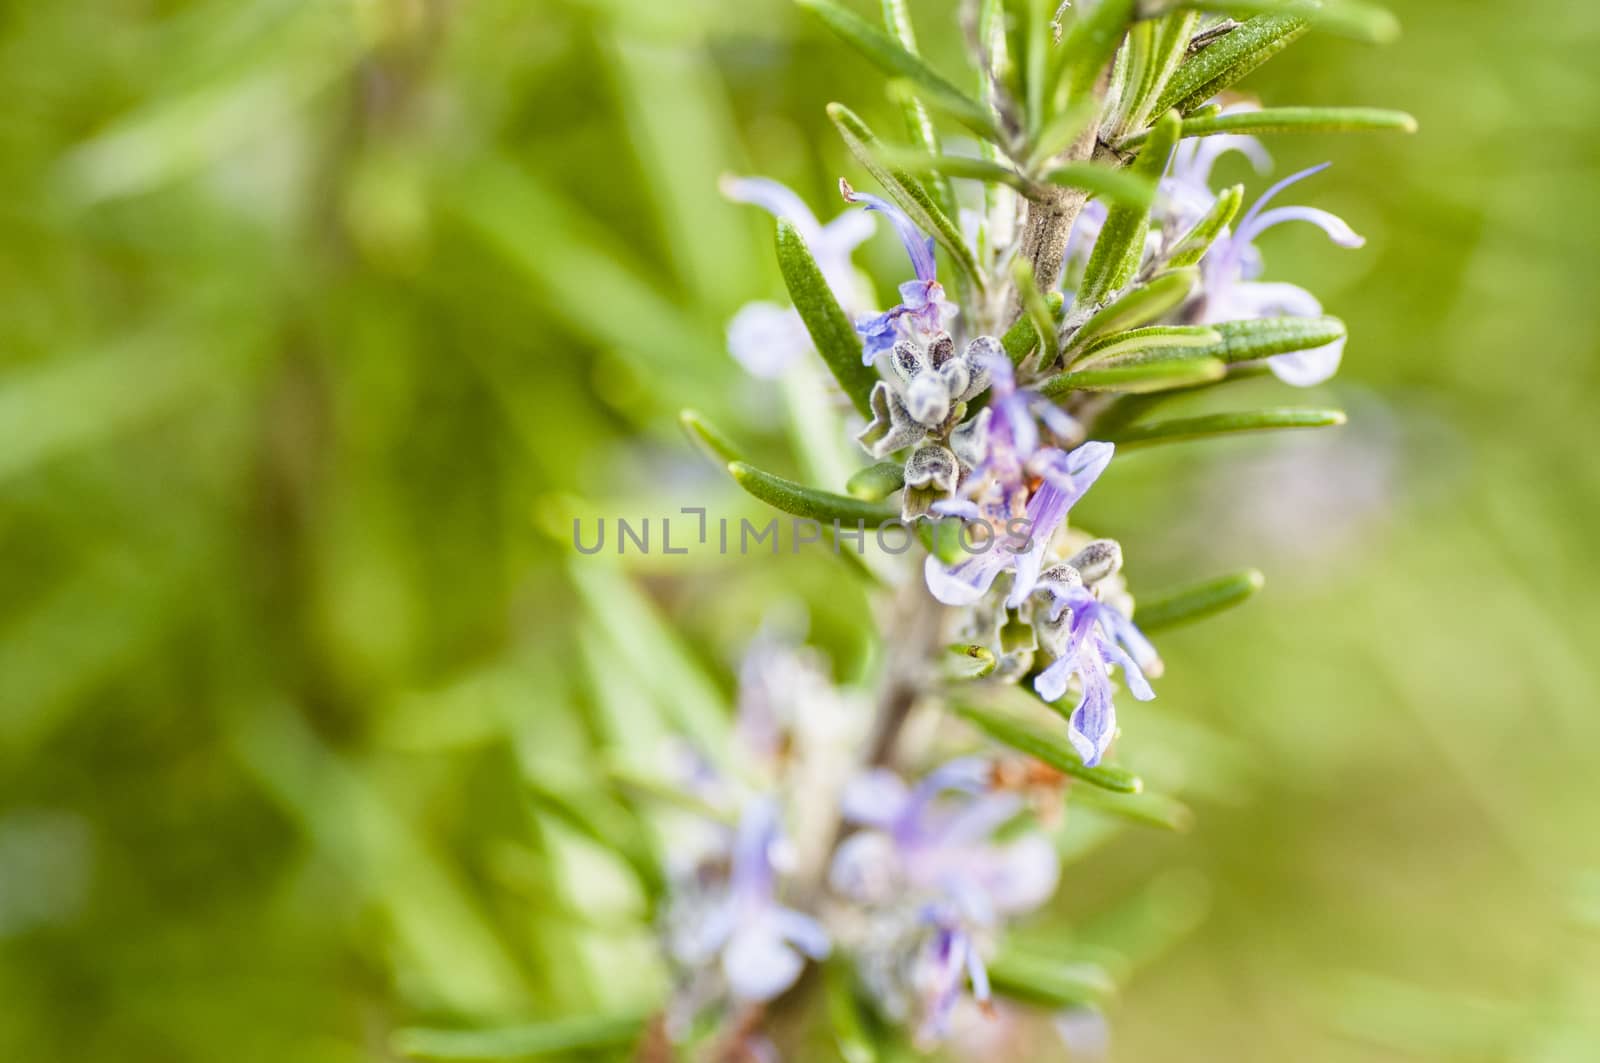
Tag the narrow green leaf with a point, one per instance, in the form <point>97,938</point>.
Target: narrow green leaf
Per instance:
<point>1022,337</point>
<point>1201,600</point>
<point>1349,18</point>
<point>1155,375</point>
<point>1169,44</point>
<point>1115,258</point>
<point>1139,305</point>
<point>1092,42</point>
<point>889,56</point>
<point>1224,62</point>
<point>830,328</point>
<point>1293,120</point>
<point>704,435</point>
<point>1248,341</point>
<point>1052,749</point>
<point>802,501</point>
<point>1150,810</point>
<point>905,190</point>
<point>1112,185</point>
<point>850,1034</point>
<point>876,482</point>
<point>964,166</point>
<point>536,1039</point>
<point>1140,344</point>
<point>1038,311</point>
<point>1198,240</point>
<point>1046,982</point>
<point>1218,424</point>
<point>897,18</point>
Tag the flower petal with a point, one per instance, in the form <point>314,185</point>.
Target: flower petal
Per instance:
<point>767,339</point>
<point>919,246</point>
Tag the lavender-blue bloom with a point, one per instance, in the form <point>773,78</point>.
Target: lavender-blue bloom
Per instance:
<point>760,944</point>
<point>923,308</point>
<point>767,338</point>
<point>1017,489</point>
<point>919,847</point>
<point>1094,637</point>
<point>1231,293</point>
<point>1186,189</point>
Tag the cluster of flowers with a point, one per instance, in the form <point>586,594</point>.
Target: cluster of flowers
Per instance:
<point>914,884</point>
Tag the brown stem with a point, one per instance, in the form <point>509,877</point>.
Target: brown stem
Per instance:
<point>915,624</point>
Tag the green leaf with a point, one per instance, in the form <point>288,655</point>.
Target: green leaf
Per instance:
<point>1198,240</point>
<point>893,59</point>
<point>704,435</point>
<point>1136,345</point>
<point>897,17</point>
<point>1052,749</point>
<point>1047,982</point>
<point>1227,60</point>
<point>850,1034</point>
<point>1150,810</point>
<point>1249,341</point>
<point>905,190</point>
<point>1293,120</point>
<point>1201,600</point>
<point>1168,44</point>
<point>964,166</point>
<point>876,482</point>
<point>1115,258</point>
<point>1038,311</point>
<point>1139,304</point>
<point>1349,18</point>
<point>535,1039</point>
<point>1218,424</point>
<point>1022,337</point>
<point>1092,42</point>
<point>1110,184</point>
<point>802,501</point>
<point>1154,375</point>
<point>830,328</point>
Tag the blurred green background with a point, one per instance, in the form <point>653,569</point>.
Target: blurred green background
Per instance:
<point>320,321</point>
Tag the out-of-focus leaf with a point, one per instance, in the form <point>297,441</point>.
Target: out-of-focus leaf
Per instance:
<point>1116,253</point>
<point>1150,810</point>
<point>897,18</point>
<point>1227,60</point>
<point>1153,375</point>
<point>893,59</point>
<point>1052,749</point>
<point>1248,341</point>
<point>877,482</point>
<point>850,1035</point>
<point>964,166</point>
<point>802,501</point>
<point>1127,187</point>
<point>586,1033</point>
<point>826,321</point>
<point>1219,424</point>
<point>1194,603</point>
<point>1293,120</point>
<point>1139,304</point>
<point>905,190</point>
<point>1046,982</point>
<point>1198,240</point>
<point>1091,43</point>
<point>718,447</point>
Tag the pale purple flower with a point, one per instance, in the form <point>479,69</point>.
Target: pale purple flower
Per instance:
<point>765,337</point>
<point>759,945</point>
<point>1093,637</point>
<point>1019,490</point>
<point>1186,189</point>
<point>1231,292</point>
<point>923,308</point>
<point>932,846</point>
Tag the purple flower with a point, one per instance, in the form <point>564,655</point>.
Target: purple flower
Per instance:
<point>1087,637</point>
<point>767,338</point>
<point>759,944</point>
<point>923,307</point>
<point>932,847</point>
<point>1020,490</point>
<point>1186,189</point>
<point>1231,293</point>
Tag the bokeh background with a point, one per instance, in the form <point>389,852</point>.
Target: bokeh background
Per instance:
<point>318,322</point>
